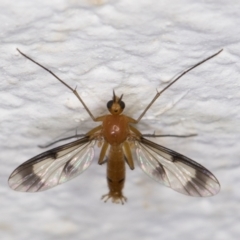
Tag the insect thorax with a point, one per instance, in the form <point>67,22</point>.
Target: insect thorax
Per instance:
<point>115,129</point>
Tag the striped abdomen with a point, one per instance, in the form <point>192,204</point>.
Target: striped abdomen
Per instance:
<point>115,174</point>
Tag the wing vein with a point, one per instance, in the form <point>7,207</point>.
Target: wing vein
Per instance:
<point>174,170</point>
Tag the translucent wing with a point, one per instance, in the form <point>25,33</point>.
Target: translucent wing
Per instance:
<point>53,167</point>
<point>175,170</point>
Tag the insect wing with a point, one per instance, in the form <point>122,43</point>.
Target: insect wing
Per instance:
<point>53,167</point>
<point>175,170</point>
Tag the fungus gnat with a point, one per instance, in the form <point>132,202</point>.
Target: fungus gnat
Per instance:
<point>118,138</point>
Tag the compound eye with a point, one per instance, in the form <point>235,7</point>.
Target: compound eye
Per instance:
<point>122,104</point>
<point>109,104</point>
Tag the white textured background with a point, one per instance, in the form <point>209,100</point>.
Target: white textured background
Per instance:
<point>133,47</point>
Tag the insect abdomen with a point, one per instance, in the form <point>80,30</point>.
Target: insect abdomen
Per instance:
<point>115,174</point>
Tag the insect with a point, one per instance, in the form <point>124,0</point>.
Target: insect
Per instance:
<point>118,138</point>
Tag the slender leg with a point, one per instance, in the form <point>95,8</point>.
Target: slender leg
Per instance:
<point>60,140</point>
<point>186,71</point>
<point>73,90</point>
<point>94,130</point>
<point>168,135</point>
<point>102,155</point>
<point>128,155</point>
<point>91,132</point>
<point>139,134</point>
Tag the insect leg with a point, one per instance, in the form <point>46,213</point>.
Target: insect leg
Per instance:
<point>168,135</point>
<point>186,71</point>
<point>73,90</point>
<point>91,132</point>
<point>102,155</point>
<point>128,155</point>
<point>94,130</point>
<point>133,129</point>
<point>139,134</point>
<point>60,140</point>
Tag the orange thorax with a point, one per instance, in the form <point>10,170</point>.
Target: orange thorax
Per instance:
<point>115,129</point>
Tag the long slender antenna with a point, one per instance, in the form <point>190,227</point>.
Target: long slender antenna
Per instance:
<point>73,90</point>
<point>169,85</point>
